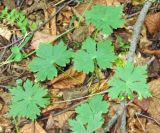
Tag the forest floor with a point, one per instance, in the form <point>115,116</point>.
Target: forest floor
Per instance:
<point>51,21</point>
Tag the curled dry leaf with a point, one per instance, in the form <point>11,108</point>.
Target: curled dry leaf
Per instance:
<point>68,79</point>
<point>98,87</point>
<point>144,42</point>
<point>5,32</point>
<point>75,93</point>
<point>33,127</point>
<point>152,128</point>
<point>135,123</point>
<point>41,37</point>
<point>154,109</point>
<point>58,121</point>
<point>152,23</point>
<point>52,24</point>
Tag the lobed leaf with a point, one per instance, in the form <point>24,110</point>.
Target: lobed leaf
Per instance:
<point>89,115</point>
<point>107,18</point>
<point>27,100</point>
<point>127,80</point>
<point>92,52</point>
<point>48,57</point>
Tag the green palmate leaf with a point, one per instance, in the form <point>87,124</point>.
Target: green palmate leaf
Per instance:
<point>107,18</point>
<point>101,52</point>
<point>129,79</point>
<point>48,57</point>
<point>89,115</point>
<point>27,100</point>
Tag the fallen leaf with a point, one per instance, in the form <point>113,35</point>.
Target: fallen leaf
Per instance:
<point>152,23</point>
<point>152,52</point>
<point>58,121</point>
<point>68,79</point>
<point>75,93</point>
<point>40,37</point>
<point>33,127</point>
<point>80,34</point>
<point>152,128</point>
<point>144,42</point>
<point>98,87</point>
<point>154,109</point>
<point>52,23</point>
<point>144,104</point>
<point>5,32</point>
<point>112,2</point>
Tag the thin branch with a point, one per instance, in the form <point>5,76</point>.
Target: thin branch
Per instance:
<point>113,120</point>
<point>137,30</point>
<point>148,117</point>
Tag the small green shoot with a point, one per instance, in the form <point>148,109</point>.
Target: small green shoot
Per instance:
<point>15,17</point>
<point>89,115</point>
<point>27,100</point>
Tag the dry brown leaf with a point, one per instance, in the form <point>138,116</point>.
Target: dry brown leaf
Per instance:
<point>134,124</point>
<point>137,2</point>
<point>112,2</point>
<point>52,23</point>
<point>5,32</point>
<point>98,87</point>
<point>32,128</point>
<point>144,42</point>
<point>154,109</point>
<point>58,121</point>
<point>75,93</point>
<point>152,52</point>
<point>40,37</point>
<point>68,79</point>
<point>144,104</point>
<point>152,128</point>
<point>152,23</point>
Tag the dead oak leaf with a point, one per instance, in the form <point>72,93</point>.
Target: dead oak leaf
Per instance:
<point>40,37</point>
<point>58,121</point>
<point>32,128</point>
<point>68,79</point>
<point>152,23</point>
<point>154,109</point>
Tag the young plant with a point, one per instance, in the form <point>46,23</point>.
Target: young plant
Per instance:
<point>89,115</point>
<point>27,100</point>
<point>15,17</point>
<point>93,53</point>
<point>106,19</point>
<point>127,80</point>
<point>47,60</point>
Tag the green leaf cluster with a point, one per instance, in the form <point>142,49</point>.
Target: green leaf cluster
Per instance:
<point>27,100</point>
<point>15,17</point>
<point>93,53</point>
<point>127,80</point>
<point>48,59</point>
<point>105,18</point>
<point>89,115</point>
